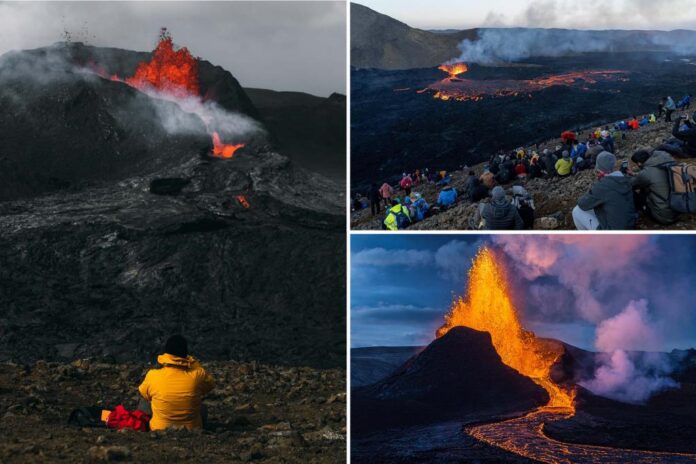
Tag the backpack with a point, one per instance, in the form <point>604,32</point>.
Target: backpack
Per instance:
<point>402,220</point>
<point>121,418</point>
<point>682,187</point>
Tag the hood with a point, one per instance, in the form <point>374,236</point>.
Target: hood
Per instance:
<point>658,157</point>
<point>620,184</point>
<point>167,359</point>
<point>500,208</point>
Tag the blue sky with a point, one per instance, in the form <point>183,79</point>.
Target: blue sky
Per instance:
<point>589,14</point>
<point>402,285</point>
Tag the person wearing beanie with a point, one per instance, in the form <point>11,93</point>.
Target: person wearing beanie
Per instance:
<point>172,395</point>
<point>499,214</point>
<point>609,203</point>
<point>564,166</point>
<point>652,185</point>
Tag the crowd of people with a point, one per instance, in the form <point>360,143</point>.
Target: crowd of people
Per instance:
<point>613,202</point>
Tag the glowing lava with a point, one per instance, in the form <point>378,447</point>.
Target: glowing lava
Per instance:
<point>222,150</point>
<point>454,69</point>
<point>459,89</point>
<point>174,74</point>
<point>488,307</point>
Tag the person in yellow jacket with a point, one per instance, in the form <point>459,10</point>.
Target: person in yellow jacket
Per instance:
<point>398,217</point>
<point>564,166</point>
<point>176,390</point>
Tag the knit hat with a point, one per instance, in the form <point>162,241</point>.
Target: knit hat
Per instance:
<point>606,162</point>
<point>498,193</point>
<point>566,154</point>
<point>176,345</point>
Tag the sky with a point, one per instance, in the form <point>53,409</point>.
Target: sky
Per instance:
<point>566,286</point>
<point>299,46</point>
<point>588,14</point>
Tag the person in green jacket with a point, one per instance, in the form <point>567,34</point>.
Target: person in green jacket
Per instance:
<point>398,217</point>
<point>652,184</point>
<point>609,203</point>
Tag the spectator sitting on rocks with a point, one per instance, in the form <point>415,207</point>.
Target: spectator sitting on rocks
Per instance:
<point>419,207</point>
<point>652,185</point>
<point>173,394</point>
<point>684,143</point>
<point>447,197</point>
<point>609,203</point>
<point>499,214</point>
<point>398,217</point>
<point>564,166</point>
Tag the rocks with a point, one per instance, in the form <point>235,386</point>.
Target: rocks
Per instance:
<point>108,453</point>
<point>282,428</point>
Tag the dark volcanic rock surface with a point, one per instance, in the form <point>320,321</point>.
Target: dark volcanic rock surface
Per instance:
<point>310,130</point>
<point>456,377</point>
<point>114,258</point>
<point>261,413</point>
<point>395,129</point>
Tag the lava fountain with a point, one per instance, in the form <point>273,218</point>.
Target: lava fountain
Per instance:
<point>488,307</point>
<point>454,69</point>
<point>173,73</point>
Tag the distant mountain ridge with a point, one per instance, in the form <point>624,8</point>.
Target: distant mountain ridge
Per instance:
<point>379,41</point>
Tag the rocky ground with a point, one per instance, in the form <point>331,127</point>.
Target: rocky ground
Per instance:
<point>554,198</point>
<point>258,413</point>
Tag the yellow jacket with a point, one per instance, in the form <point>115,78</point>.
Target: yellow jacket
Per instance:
<point>175,392</point>
<point>564,166</point>
<point>390,221</point>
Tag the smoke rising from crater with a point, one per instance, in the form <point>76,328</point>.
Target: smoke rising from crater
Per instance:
<point>509,45</point>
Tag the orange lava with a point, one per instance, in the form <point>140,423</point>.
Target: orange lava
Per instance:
<point>221,150</point>
<point>173,72</point>
<point>243,201</point>
<point>474,90</point>
<point>488,307</point>
<point>454,69</point>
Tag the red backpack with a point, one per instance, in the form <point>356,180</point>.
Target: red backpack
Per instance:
<point>121,418</point>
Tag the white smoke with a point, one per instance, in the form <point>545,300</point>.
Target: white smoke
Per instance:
<point>213,116</point>
<point>509,45</point>
<point>631,377</point>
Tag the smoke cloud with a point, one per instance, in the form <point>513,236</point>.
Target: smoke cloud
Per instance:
<point>625,376</point>
<point>509,45</point>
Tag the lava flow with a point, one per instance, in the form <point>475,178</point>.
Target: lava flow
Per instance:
<point>456,88</point>
<point>173,73</point>
<point>489,308</point>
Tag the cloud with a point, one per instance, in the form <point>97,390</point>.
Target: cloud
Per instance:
<point>381,257</point>
<point>402,313</point>
<point>276,45</point>
<point>453,259</point>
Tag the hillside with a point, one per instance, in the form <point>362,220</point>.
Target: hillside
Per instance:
<point>378,41</point>
<point>554,198</point>
<point>310,130</point>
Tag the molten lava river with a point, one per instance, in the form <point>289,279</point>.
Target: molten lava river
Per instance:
<point>488,307</point>
<point>456,88</point>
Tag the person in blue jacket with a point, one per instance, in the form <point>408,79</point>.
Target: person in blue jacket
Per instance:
<point>447,197</point>
<point>420,208</point>
<point>685,102</point>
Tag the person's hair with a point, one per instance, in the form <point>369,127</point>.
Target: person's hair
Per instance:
<point>395,202</point>
<point>640,157</point>
<point>176,345</point>
<point>472,173</point>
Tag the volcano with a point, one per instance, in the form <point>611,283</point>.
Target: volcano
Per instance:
<point>121,225</point>
<point>457,376</point>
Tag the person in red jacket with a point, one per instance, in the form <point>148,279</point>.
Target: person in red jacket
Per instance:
<point>406,183</point>
<point>520,170</point>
